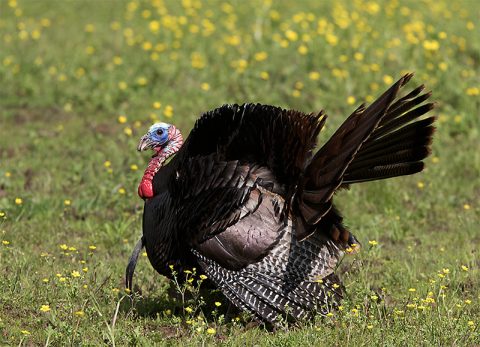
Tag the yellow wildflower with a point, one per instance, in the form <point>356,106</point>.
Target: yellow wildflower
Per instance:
<point>314,75</point>
<point>45,308</point>
<point>168,112</point>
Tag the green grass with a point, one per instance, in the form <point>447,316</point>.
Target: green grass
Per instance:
<point>70,69</point>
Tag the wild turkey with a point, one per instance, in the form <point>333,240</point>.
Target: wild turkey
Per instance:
<point>245,201</point>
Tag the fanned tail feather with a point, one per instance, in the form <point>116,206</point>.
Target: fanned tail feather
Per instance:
<point>383,140</point>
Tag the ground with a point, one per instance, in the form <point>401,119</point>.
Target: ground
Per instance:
<point>83,80</point>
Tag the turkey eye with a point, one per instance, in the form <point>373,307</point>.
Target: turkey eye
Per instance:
<point>160,132</point>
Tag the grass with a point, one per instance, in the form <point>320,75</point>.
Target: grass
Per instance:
<point>82,81</point>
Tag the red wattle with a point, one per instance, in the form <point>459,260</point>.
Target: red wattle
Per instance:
<point>145,188</point>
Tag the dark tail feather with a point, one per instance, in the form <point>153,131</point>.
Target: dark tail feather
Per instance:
<point>398,145</point>
<point>326,171</point>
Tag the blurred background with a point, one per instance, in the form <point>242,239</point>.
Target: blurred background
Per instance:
<point>83,80</point>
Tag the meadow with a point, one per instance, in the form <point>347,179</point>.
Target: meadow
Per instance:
<point>83,80</point>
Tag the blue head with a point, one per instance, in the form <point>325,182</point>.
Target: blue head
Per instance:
<point>156,138</point>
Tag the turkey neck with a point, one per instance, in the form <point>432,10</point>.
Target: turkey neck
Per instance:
<point>145,188</point>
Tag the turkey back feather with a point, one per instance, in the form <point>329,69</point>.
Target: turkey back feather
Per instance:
<point>268,136</point>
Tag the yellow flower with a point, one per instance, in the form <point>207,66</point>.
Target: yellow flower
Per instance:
<point>92,247</point>
<point>387,79</point>
<point>154,26</point>
<point>85,269</point>
<point>264,75</point>
<point>314,75</point>
<point>188,309</point>
<point>470,323</point>
<point>329,314</point>
<point>122,119</point>
<point>331,39</point>
<point>218,304</point>
<point>261,56</point>
<point>302,49</point>
<point>473,91</point>
<point>79,313</point>
<point>203,277</point>
<point>291,35</point>
<point>117,60</point>
<point>431,45</point>
<point>121,191</point>
<point>211,331</point>
<point>18,201</point>
<point>420,185</point>
<point>89,50</point>
<point>466,206</point>
<point>67,202</point>
<point>168,112</point>
<point>372,242</point>
<point>133,167</point>
<point>412,290</point>
<point>156,105</point>
<point>122,85</point>
<point>75,274</point>
<point>351,100</point>
<point>205,86</point>
<point>89,28</point>
<point>142,81</point>
<point>8,174</point>
<point>128,131</point>
<point>464,268</point>
<point>358,56</point>
<point>45,308</point>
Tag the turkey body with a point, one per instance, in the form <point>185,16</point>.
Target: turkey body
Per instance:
<point>247,202</point>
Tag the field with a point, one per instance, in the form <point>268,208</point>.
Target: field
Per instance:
<point>83,80</point>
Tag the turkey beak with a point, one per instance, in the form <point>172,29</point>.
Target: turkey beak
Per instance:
<point>144,143</point>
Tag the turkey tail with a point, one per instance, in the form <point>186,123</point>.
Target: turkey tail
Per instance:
<point>381,141</point>
<point>398,145</point>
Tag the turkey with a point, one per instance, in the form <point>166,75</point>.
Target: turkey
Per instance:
<point>247,201</point>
